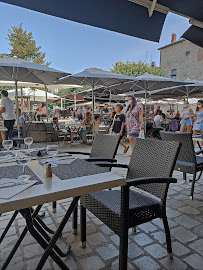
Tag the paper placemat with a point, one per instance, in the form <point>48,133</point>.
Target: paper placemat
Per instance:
<point>16,187</point>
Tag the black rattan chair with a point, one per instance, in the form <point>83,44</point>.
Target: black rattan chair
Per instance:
<point>187,161</point>
<point>104,149</point>
<point>150,170</point>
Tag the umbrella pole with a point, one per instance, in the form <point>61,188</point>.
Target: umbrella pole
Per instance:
<point>145,112</point>
<point>46,102</point>
<point>110,99</point>
<point>21,93</point>
<point>17,109</point>
<point>75,100</point>
<point>93,102</point>
<point>61,104</point>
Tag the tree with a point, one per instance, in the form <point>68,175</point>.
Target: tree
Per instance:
<point>24,46</point>
<point>63,92</point>
<point>135,69</point>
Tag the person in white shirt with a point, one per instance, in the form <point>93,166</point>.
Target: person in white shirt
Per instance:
<point>8,113</point>
<point>158,119</point>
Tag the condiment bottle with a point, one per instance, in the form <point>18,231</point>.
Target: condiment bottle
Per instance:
<point>48,170</point>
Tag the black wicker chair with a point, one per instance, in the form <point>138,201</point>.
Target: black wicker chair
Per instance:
<point>187,161</point>
<point>150,170</point>
<point>104,149</point>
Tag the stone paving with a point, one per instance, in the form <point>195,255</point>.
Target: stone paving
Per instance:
<point>147,249</point>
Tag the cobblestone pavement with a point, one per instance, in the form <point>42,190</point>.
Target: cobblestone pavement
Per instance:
<point>147,249</point>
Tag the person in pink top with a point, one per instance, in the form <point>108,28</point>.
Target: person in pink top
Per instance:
<point>42,112</point>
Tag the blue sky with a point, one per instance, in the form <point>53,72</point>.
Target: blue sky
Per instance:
<point>73,47</point>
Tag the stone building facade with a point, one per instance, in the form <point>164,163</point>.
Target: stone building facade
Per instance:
<point>182,60</point>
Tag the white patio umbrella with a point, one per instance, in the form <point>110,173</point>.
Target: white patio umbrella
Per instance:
<point>34,95</point>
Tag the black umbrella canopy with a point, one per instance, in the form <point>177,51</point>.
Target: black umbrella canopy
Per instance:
<point>121,16</point>
<point>190,90</point>
<point>16,69</point>
<point>96,77</point>
<point>195,35</point>
<point>141,84</point>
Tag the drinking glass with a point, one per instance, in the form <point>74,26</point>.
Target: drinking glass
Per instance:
<point>52,150</point>
<point>23,160</point>
<point>7,144</point>
<point>28,141</point>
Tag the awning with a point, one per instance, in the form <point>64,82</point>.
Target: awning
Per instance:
<point>120,16</point>
<point>195,35</point>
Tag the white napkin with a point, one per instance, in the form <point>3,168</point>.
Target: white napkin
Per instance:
<point>57,160</point>
<point>9,192</point>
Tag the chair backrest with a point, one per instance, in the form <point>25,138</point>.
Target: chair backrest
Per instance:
<point>187,153</point>
<point>153,158</point>
<point>105,146</point>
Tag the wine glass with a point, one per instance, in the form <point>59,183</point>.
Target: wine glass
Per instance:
<point>28,141</point>
<point>52,150</point>
<point>7,144</point>
<point>23,160</point>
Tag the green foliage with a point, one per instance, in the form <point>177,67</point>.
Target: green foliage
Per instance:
<point>24,46</point>
<point>135,69</point>
<point>63,92</point>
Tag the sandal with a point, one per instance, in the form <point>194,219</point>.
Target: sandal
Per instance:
<point>126,150</point>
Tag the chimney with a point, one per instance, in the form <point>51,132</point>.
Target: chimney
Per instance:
<point>173,38</point>
<point>118,63</point>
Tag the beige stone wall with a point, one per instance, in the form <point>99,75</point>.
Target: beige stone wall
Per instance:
<point>174,57</point>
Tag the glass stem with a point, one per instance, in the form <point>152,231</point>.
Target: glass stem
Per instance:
<point>23,171</point>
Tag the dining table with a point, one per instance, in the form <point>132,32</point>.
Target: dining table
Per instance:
<point>72,178</point>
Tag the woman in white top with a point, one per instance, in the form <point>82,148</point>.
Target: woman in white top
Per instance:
<point>187,117</point>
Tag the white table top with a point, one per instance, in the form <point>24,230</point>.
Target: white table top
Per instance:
<point>54,189</point>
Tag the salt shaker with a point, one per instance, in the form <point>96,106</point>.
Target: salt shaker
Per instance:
<point>48,170</point>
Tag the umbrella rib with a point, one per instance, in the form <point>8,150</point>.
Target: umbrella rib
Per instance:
<point>6,73</point>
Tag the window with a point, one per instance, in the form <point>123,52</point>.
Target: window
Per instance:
<point>173,74</point>
<point>187,53</point>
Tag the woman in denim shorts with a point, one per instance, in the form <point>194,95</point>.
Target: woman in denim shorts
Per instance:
<point>188,114</point>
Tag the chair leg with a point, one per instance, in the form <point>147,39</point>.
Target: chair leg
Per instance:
<point>83,226</point>
<point>184,177</point>
<point>75,221</point>
<point>123,253</point>
<point>168,236</point>
<point>54,207</point>
<point>193,186</point>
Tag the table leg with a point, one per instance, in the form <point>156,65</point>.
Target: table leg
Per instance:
<point>8,226</point>
<point>49,248</point>
<point>20,239</point>
<point>43,243</point>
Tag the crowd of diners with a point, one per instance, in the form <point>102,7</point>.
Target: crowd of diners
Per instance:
<point>123,119</point>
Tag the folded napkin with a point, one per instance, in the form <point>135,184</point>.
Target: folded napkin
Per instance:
<point>57,160</point>
<point>10,187</point>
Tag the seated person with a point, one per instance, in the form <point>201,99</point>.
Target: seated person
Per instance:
<point>42,111</point>
<point>88,123</point>
<point>96,124</point>
<point>158,119</point>
<point>21,125</point>
<point>63,131</point>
